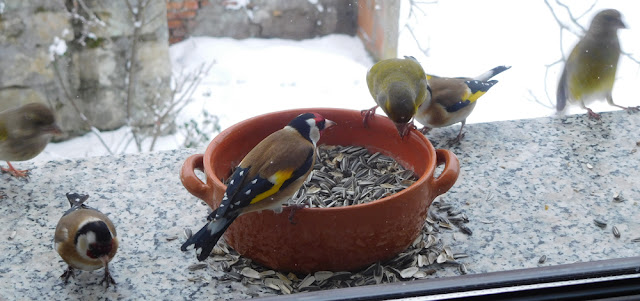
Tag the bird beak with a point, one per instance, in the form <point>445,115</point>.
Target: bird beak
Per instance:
<point>622,25</point>
<point>328,123</point>
<point>52,129</point>
<point>403,128</point>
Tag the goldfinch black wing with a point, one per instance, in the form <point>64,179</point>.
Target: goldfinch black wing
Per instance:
<point>263,180</point>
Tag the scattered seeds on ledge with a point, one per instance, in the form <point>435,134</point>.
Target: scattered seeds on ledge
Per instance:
<point>428,254</point>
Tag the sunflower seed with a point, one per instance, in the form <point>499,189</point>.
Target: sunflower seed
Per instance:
<point>322,275</point>
<point>637,239</point>
<point>408,272</point>
<point>169,238</point>
<point>187,233</point>
<point>13,235</point>
<point>197,266</point>
<point>600,223</point>
<point>542,259</point>
<point>617,197</point>
<point>309,280</point>
<point>615,231</point>
<point>466,230</point>
<point>249,272</point>
<point>463,269</point>
<point>273,283</point>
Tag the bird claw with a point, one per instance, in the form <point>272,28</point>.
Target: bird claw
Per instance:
<point>18,173</point>
<point>108,280</point>
<point>68,274</point>
<point>424,130</point>
<point>292,213</point>
<point>456,140</point>
<point>368,114</point>
<point>632,110</point>
<point>593,115</point>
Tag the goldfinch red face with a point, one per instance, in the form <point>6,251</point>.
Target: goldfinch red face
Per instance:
<point>310,125</point>
<point>94,240</point>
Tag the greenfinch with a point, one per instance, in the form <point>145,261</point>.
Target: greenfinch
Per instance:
<point>24,133</point>
<point>453,99</point>
<point>590,70</point>
<point>399,87</point>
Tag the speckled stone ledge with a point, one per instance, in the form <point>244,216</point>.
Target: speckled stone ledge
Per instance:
<point>530,187</point>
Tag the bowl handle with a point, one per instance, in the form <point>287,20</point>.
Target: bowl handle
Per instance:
<point>190,181</point>
<point>449,175</point>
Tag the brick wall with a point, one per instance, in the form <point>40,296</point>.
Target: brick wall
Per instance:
<point>180,16</point>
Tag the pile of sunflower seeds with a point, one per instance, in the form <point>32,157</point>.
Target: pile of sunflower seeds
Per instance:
<point>351,175</point>
<point>428,254</point>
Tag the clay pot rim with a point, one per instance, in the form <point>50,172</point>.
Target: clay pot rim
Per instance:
<point>429,168</point>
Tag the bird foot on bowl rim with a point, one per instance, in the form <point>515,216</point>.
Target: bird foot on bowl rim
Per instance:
<point>367,114</point>
<point>294,208</point>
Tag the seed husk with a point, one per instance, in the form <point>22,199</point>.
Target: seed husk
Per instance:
<point>309,280</point>
<point>408,272</point>
<point>249,272</point>
<point>463,269</point>
<point>542,259</point>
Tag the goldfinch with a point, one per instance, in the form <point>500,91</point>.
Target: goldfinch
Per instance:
<point>590,70</point>
<point>399,87</point>
<point>267,177</point>
<point>453,99</point>
<point>24,133</point>
<point>86,239</point>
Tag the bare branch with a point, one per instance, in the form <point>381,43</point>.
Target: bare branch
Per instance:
<point>75,106</point>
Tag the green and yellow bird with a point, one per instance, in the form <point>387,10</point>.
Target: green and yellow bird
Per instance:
<point>453,99</point>
<point>590,70</point>
<point>24,133</point>
<point>399,87</point>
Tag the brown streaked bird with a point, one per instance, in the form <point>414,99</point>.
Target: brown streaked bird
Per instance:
<point>24,133</point>
<point>86,239</point>
<point>271,173</point>
<point>399,87</point>
<point>590,70</point>
<point>453,99</point>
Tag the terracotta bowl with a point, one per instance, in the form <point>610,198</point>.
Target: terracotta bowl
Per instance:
<point>334,239</point>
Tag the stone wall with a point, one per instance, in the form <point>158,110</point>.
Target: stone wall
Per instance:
<point>93,69</point>
<point>287,19</point>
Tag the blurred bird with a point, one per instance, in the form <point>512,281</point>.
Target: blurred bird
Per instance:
<point>590,69</point>
<point>86,239</point>
<point>453,99</point>
<point>399,87</point>
<point>24,133</point>
<point>268,176</point>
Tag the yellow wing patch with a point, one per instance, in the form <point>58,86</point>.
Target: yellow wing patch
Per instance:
<point>471,97</point>
<point>277,179</point>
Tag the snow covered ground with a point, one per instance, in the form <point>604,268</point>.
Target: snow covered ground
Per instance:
<point>465,38</point>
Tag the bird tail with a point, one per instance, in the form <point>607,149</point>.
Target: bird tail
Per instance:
<point>205,239</point>
<point>561,94</point>
<point>77,200</point>
<point>491,73</point>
